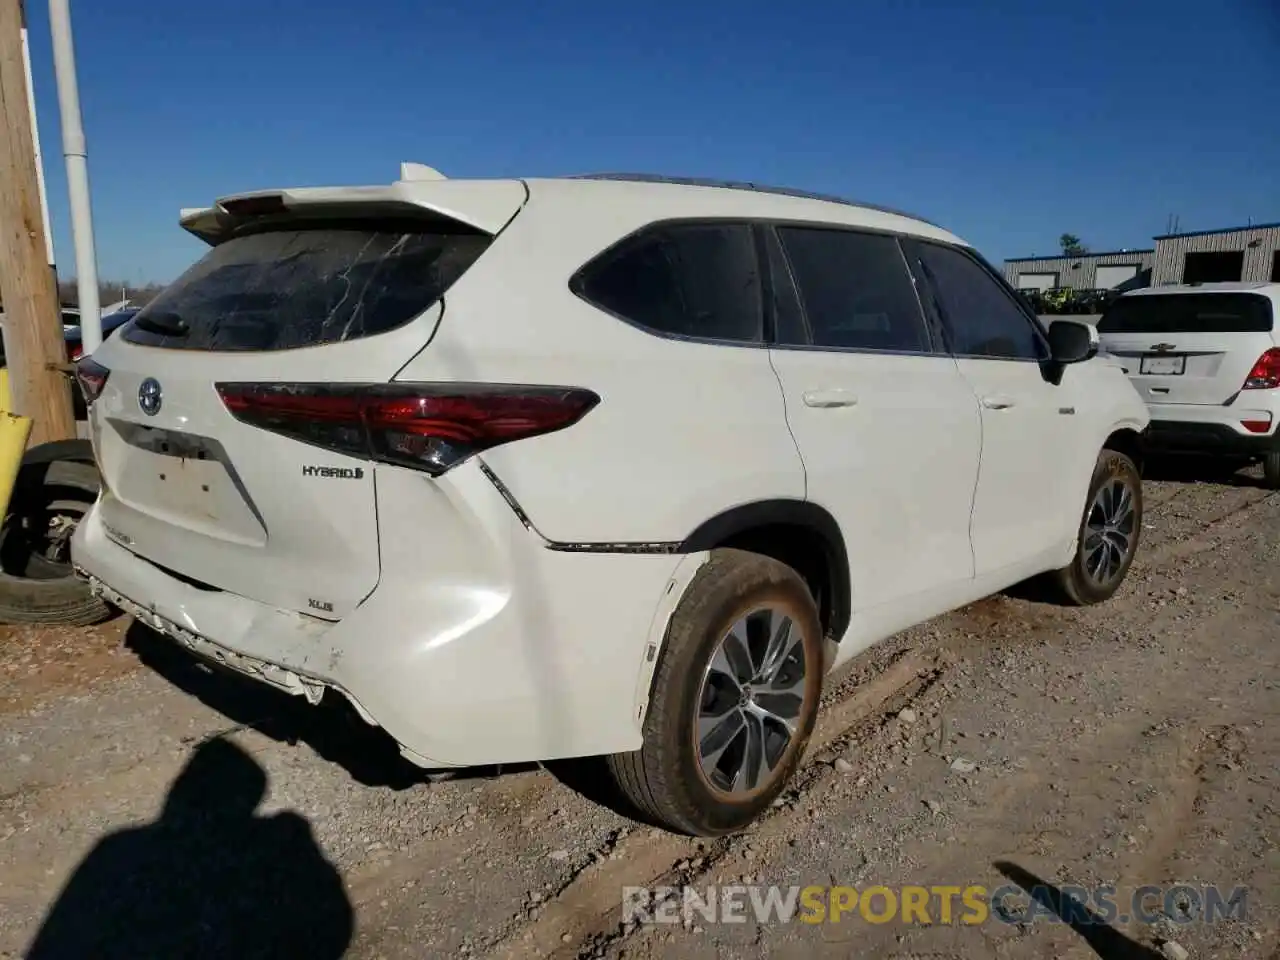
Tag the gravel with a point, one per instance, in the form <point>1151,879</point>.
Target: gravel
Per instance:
<point>1131,743</point>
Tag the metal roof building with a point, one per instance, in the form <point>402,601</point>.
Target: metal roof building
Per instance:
<point>1249,253</point>
<point>1091,271</point>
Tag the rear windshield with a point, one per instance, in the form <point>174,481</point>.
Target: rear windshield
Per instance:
<point>301,287</point>
<point>1188,313</point>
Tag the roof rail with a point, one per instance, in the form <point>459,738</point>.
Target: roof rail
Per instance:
<point>747,185</point>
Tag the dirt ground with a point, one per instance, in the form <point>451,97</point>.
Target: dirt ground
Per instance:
<point>1128,744</point>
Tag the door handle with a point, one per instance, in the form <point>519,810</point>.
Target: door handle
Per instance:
<point>824,399</point>
<point>998,401</point>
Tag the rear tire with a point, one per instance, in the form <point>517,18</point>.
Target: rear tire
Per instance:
<point>1271,471</point>
<point>718,748</point>
<point>1109,532</point>
<point>37,581</point>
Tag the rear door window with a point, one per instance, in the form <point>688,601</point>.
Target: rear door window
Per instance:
<point>855,290</point>
<point>699,280</point>
<point>1189,313</point>
<point>287,288</point>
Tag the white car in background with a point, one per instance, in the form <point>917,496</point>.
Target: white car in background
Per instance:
<point>535,469</point>
<point>1206,359</point>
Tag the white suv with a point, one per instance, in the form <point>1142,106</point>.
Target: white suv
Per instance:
<point>1206,359</point>
<point>536,469</point>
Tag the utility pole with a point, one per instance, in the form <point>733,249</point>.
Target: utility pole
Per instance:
<point>76,154</point>
<point>34,345</point>
<point>35,139</point>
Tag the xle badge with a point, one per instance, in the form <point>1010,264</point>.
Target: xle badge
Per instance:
<point>322,605</point>
<point>334,473</point>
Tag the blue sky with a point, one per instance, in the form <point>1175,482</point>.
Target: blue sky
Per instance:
<point>1008,121</point>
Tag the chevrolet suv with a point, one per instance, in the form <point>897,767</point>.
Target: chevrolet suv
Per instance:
<point>1206,359</point>
<point>607,465</point>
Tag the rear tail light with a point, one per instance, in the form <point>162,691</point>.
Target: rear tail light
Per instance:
<point>76,353</point>
<point>92,377</point>
<point>426,427</point>
<point>1265,374</point>
<point>1256,426</point>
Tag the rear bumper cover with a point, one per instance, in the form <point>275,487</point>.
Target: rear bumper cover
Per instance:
<point>478,646</point>
<point>1180,436</point>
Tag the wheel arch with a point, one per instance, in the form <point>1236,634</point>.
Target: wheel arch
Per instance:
<point>792,532</point>
<point>1127,440</point>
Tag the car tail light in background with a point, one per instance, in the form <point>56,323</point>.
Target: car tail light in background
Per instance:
<point>426,427</point>
<point>76,353</point>
<point>1265,374</point>
<point>92,377</point>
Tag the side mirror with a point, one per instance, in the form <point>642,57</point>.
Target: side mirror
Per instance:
<point>1071,342</point>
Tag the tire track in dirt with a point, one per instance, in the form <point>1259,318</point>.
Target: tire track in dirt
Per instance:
<point>1233,520</point>
<point>580,920</point>
<point>585,908</point>
<point>583,912</point>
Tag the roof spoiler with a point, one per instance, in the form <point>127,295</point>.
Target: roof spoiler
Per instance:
<point>419,171</point>
<point>486,205</point>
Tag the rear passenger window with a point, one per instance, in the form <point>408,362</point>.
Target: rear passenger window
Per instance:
<point>855,290</point>
<point>983,320</point>
<point>690,280</point>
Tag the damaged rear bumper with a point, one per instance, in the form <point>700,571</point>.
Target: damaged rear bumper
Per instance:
<point>495,650</point>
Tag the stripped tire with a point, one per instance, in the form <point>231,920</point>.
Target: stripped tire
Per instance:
<point>54,489</point>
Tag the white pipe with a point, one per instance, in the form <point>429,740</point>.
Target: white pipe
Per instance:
<point>75,152</point>
<point>35,138</point>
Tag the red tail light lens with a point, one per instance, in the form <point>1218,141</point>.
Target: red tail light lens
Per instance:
<point>76,353</point>
<point>1265,374</point>
<point>426,427</point>
<point>92,378</point>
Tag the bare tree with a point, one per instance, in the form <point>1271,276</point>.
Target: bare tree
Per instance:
<point>109,292</point>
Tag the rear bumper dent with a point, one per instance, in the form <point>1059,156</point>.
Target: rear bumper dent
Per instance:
<point>274,674</point>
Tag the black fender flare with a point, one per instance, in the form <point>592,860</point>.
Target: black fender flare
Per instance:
<point>786,512</point>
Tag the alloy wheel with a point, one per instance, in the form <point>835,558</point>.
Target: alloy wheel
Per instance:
<point>750,703</point>
<point>1109,531</point>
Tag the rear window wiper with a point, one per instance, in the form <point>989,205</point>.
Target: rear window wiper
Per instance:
<point>165,324</point>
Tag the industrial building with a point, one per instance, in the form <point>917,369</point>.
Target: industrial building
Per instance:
<point>1249,253</point>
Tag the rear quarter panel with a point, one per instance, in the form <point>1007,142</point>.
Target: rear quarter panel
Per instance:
<point>684,430</point>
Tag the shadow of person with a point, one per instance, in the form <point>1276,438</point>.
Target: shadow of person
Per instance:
<point>208,879</point>
<point>1105,940</point>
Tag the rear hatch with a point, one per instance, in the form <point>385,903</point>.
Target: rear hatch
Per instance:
<point>305,287</point>
<point>1192,348</point>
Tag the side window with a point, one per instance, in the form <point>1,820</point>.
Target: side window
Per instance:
<point>693,280</point>
<point>855,289</point>
<point>983,320</point>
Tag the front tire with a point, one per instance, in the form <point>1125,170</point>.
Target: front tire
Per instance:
<point>1109,533</point>
<point>734,699</point>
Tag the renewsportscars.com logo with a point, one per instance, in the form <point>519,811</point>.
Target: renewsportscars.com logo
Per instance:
<point>970,904</point>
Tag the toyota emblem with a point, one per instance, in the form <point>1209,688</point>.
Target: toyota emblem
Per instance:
<point>150,396</point>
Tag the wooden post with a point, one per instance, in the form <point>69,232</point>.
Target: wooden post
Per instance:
<point>33,339</point>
